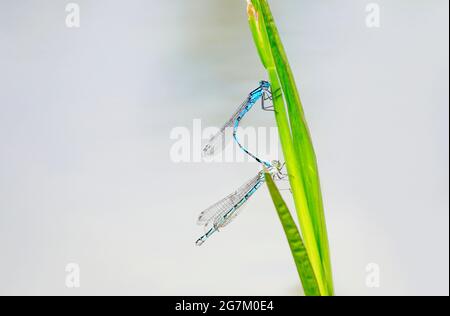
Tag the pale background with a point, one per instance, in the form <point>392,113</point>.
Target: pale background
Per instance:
<point>85,171</point>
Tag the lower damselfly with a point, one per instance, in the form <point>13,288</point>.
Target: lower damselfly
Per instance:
<point>223,212</point>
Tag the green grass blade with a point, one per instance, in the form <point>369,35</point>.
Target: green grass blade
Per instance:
<point>301,139</point>
<point>295,141</point>
<point>298,250</point>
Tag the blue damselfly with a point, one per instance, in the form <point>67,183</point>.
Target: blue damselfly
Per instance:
<point>216,143</point>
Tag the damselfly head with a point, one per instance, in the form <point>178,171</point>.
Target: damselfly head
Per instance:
<point>264,84</point>
<point>276,165</point>
<point>276,170</point>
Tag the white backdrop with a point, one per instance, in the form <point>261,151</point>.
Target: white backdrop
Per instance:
<point>85,171</point>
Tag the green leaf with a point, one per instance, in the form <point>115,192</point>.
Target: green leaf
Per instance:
<point>258,36</point>
<point>295,141</point>
<point>299,253</point>
<point>301,140</point>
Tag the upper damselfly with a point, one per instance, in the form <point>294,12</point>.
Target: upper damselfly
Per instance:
<point>216,143</point>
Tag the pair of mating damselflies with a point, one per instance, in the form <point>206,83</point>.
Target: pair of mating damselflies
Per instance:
<point>223,212</point>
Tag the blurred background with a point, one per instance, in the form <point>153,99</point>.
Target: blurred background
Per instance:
<point>86,175</point>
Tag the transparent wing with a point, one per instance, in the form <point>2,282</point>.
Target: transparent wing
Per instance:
<point>225,218</point>
<point>217,142</point>
<point>214,213</point>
